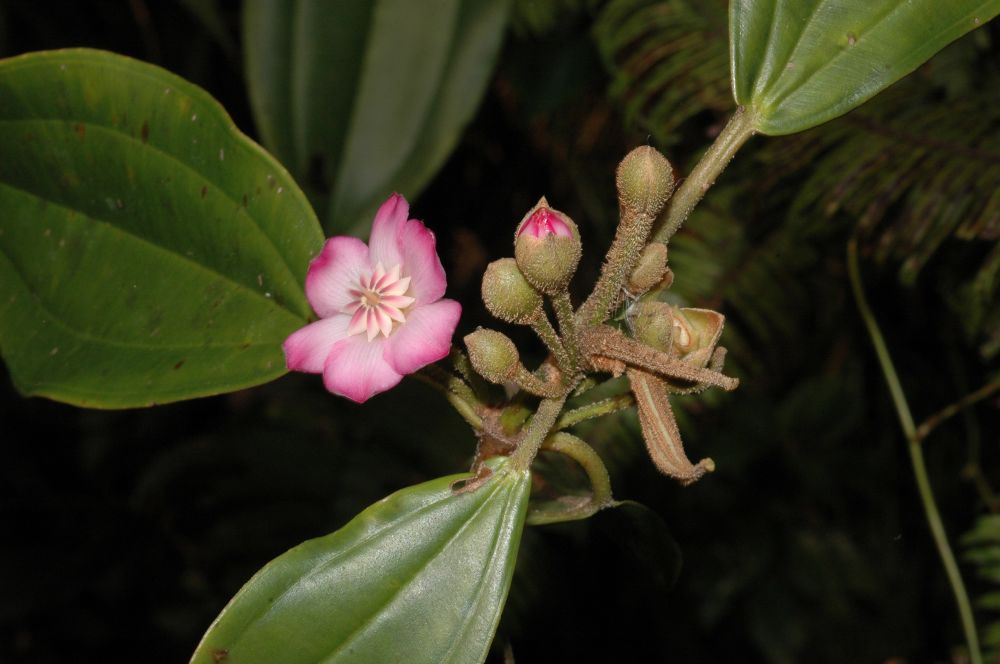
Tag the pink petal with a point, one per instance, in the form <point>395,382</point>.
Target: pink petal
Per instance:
<point>355,369</point>
<point>307,349</point>
<point>389,221</point>
<point>421,262</point>
<point>334,273</point>
<point>425,337</point>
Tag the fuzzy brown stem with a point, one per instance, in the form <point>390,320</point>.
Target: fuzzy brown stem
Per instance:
<point>618,265</point>
<point>537,430</point>
<point>610,343</point>
<point>659,429</point>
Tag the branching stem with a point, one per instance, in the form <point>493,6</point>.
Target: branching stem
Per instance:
<point>595,409</point>
<point>953,409</point>
<point>543,328</point>
<point>564,315</point>
<point>916,457</point>
<point>597,473</point>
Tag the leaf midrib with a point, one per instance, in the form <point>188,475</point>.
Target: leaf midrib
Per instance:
<point>477,596</point>
<point>337,556</point>
<point>362,628</point>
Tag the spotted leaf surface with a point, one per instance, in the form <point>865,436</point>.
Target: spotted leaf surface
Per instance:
<point>149,251</point>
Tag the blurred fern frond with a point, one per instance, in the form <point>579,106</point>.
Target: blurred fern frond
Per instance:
<point>982,550</point>
<point>911,173</point>
<point>917,166</point>
<point>539,17</point>
<point>764,278</point>
<point>669,60</point>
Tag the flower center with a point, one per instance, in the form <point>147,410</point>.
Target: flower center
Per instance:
<point>378,302</point>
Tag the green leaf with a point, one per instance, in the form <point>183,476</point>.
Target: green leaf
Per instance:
<point>364,97</point>
<point>420,576</point>
<point>149,251</point>
<point>797,64</point>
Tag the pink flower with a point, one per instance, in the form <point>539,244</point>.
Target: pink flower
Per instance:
<point>380,307</point>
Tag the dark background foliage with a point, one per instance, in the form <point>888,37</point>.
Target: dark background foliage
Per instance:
<point>126,532</point>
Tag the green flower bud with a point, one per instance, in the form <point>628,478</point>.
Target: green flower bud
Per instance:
<point>653,324</point>
<point>547,248</point>
<point>645,181</point>
<point>650,270</point>
<point>493,355</point>
<point>508,295</point>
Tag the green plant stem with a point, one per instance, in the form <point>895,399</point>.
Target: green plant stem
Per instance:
<point>536,432</point>
<point>597,473</point>
<point>736,132</point>
<point>585,385</point>
<point>916,457</point>
<point>567,326</point>
<point>458,394</point>
<point>543,328</point>
<point>595,409</point>
<point>951,410</point>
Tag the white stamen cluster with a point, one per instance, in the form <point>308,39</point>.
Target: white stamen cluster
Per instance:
<point>379,300</point>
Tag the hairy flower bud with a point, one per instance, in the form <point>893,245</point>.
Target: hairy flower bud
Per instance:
<point>645,181</point>
<point>650,270</point>
<point>653,324</point>
<point>493,355</point>
<point>547,248</point>
<point>508,295</point>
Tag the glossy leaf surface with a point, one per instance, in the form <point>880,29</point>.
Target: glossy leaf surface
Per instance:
<point>420,576</point>
<point>799,63</point>
<point>363,97</point>
<point>149,251</point>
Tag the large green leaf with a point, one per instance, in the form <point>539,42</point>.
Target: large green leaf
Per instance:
<point>149,251</point>
<point>799,63</point>
<point>420,576</point>
<point>363,97</point>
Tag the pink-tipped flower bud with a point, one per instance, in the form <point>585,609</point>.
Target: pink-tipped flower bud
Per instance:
<point>547,248</point>
<point>645,181</point>
<point>508,295</point>
<point>493,355</point>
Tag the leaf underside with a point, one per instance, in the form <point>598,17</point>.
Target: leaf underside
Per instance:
<point>361,97</point>
<point>798,64</point>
